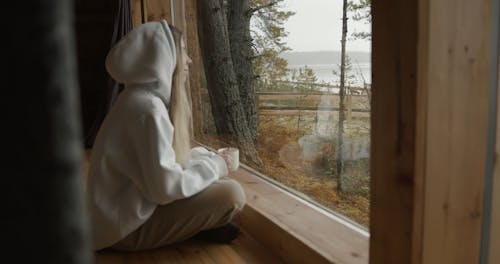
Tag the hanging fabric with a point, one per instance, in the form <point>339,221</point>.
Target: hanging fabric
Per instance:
<point>122,24</point>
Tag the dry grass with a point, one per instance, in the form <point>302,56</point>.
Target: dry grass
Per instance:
<point>283,161</point>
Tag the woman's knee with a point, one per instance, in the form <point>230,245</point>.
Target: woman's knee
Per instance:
<point>231,193</point>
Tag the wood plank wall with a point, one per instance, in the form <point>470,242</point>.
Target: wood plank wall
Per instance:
<point>150,10</point>
<point>155,10</point>
<point>196,70</point>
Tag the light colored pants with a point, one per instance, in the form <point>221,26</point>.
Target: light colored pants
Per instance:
<point>213,207</point>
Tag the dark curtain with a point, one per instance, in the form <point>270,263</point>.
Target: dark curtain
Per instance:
<point>122,24</point>
<point>44,218</point>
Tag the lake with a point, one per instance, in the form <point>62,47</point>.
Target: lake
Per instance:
<point>324,72</point>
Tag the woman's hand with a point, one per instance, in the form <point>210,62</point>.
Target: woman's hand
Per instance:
<point>227,158</point>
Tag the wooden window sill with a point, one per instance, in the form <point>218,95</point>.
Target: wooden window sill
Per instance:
<point>294,229</point>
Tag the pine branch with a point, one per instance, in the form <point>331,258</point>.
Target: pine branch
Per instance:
<point>255,56</point>
<point>251,11</point>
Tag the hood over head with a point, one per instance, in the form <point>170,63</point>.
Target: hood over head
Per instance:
<point>146,55</point>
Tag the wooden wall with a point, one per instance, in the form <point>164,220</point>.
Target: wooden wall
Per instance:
<point>431,72</point>
<point>196,72</point>
<point>150,10</point>
<point>93,26</point>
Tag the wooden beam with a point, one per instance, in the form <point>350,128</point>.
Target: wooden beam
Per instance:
<point>457,83</point>
<point>420,136</point>
<point>394,69</point>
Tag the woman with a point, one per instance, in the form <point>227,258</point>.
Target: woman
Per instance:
<point>146,187</point>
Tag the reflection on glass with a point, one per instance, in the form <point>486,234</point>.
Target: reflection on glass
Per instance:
<point>297,96</point>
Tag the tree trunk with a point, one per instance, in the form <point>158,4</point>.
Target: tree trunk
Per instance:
<point>340,162</point>
<point>227,109</point>
<point>241,52</point>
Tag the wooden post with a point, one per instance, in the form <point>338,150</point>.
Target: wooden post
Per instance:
<point>457,70</point>
<point>394,67</point>
<point>429,153</point>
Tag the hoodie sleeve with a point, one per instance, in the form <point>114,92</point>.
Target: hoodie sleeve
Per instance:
<point>161,178</point>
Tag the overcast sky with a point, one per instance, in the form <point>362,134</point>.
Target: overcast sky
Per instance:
<point>316,25</point>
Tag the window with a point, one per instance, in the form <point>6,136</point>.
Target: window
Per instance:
<point>307,136</point>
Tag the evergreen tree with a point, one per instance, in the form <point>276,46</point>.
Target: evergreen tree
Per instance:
<point>361,11</point>
<point>268,35</point>
<point>304,79</point>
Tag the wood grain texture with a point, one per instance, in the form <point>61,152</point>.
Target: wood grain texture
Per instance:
<point>293,229</point>
<point>196,68</point>
<point>457,83</point>
<point>179,8</point>
<point>136,12</point>
<point>420,135</point>
<point>393,124</point>
<point>428,155</point>
<point>243,250</point>
<point>156,10</point>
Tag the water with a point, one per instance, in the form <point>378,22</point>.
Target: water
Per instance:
<point>324,72</point>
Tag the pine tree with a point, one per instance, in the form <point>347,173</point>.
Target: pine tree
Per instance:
<point>268,40</point>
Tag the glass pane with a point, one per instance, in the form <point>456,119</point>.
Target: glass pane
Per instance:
<point>297,57</point>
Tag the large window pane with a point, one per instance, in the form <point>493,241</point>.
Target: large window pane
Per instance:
<point>303,141</point>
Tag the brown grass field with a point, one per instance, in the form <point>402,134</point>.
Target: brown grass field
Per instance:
<point>284,162</point>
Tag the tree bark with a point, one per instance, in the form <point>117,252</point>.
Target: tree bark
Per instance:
<point>241,53</point>
<point>227,108</point>
<point>340,162</point>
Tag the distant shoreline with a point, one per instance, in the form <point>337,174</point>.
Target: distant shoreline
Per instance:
<point>323,57</point>
<point>296,51</point>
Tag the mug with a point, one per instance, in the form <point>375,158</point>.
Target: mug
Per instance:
<point>234,153</point>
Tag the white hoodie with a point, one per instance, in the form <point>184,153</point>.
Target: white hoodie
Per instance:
<point>133,167</point>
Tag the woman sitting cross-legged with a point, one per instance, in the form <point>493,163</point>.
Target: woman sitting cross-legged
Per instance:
<point>146,186</point>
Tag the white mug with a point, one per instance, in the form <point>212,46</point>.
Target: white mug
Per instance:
<point>234,153</point>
